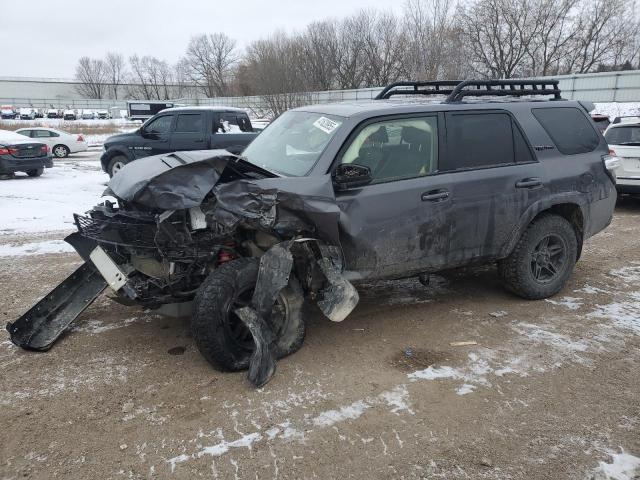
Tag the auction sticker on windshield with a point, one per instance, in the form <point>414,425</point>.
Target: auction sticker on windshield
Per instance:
<point>326,124</point>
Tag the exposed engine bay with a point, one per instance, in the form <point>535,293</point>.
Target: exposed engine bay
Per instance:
<point>177,220</point>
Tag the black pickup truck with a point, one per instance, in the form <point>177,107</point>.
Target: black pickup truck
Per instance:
<point>179,129</point>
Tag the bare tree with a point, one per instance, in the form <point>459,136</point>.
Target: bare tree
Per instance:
<point>350,55</point>
<point>91,78</point>
<point>115,72</point>
<point>498,34</point>
<point>384,47</point>
<point>320,46</point>
<point>209,62</point>
<point>277,73</point>
<point>604,28</point>
<point>432,39</point>
<point>152,79</point>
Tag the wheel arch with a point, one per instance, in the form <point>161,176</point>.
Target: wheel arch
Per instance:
<point>113,152</point>
<point>570,208</point>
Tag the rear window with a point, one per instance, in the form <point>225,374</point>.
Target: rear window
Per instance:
<point>571,131</point>
<point>189,123</point>
<point>628,135</point>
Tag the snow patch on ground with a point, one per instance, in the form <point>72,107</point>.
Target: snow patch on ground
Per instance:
<point>348,412</point>
<point>47,203</point>
<point>623,466</point>
<point>630,274</point>
<point>572,303</point>
<point>95,327</point>
<point>246,441</point>
<point>35,248</point>
<point>624,314</point>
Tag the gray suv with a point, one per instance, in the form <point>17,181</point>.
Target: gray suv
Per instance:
<point>332,195</point>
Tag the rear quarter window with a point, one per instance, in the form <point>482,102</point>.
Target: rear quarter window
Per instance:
<point>571,131</point>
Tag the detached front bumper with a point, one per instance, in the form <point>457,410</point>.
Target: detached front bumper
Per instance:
<point>10,164</point>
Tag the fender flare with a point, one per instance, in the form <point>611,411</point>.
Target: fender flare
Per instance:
<point>570,198</point>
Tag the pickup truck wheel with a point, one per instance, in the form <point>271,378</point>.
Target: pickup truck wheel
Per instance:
<point>116,164</point>
<point>220,335</point>
<point>542,260</point>
<point>35,172</point>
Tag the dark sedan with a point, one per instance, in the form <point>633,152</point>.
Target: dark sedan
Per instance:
<point>19,154</point>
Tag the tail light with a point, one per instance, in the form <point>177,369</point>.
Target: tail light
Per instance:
<point>44,149</point>
<point>4,151</point>
<point>611,163</point>
<point>13,151</point>
<point>80,138</point>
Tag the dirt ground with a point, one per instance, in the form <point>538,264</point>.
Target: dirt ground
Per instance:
<point>551,390</point>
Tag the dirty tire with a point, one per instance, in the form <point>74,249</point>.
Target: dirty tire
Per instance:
<point>210,320</point>
<point>35,172</point>
<point>116,163</point>
<point>60,151</point>
<point>519,270</point>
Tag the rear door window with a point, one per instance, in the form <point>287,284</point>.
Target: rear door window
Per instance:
<point>41,134</point>
<point>571,131</point>
<point>26,133</point>
<point>479,140</point>
<point>189,123</point>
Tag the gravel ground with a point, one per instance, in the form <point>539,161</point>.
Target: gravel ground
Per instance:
<point>549,390</point>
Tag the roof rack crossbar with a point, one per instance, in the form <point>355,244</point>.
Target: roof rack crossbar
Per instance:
<point>517,88</point>
<point>438,87</point>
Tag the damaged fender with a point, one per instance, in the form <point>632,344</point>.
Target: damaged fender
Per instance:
<point>337,301</point>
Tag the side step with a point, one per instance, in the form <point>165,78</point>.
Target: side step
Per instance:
<point>40,327</point>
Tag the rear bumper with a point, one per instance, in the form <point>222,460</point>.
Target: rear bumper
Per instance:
<point>12,165</point>
<point>628,185</point>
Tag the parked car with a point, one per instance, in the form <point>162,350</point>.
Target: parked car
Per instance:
<point>7,112</point>
<point>27,114</point>
<point>19,154</point>
<point>328,196</point>
<point>623,137</point>
<point>182,128</point>
<point>103,114</point>
<point>39,113</point>
<point>60,143</point>
<point>88,114</point>
<point>69,115</point>
<point>601,121</point>
<point>52,113</point>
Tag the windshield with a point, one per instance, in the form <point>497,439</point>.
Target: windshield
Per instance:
<point>623,135</point>
<point>292,144</point>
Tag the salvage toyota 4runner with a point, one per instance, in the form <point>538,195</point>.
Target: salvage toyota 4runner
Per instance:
<point>332,195</point>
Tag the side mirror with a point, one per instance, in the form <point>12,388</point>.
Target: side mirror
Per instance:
<point>351,175</point>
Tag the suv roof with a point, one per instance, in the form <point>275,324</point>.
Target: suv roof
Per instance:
<point>418,96</point>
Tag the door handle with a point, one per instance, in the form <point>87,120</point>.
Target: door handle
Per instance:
<point>435,196</point>
<point>533,182</point>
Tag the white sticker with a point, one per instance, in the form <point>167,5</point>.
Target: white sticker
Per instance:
<point>326,124</point>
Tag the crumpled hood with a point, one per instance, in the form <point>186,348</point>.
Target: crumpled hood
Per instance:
<point>181,180</point>
<point>174,181</point>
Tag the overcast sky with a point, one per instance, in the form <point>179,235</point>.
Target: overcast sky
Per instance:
<point>45,38</point>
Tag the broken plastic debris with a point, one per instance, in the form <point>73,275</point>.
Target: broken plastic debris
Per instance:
<point>463,344</point>
<point>498,313</point>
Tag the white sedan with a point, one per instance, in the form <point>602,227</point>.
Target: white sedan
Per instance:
<point>60,143</point>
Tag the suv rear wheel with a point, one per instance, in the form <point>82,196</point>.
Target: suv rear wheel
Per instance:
<point>542,260</point>
<point>222,338</point>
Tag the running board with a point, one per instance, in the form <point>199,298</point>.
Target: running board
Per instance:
<point>41,326</point>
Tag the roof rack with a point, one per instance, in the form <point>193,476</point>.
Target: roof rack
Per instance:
<point>418,88</point>
<point>504,88</point>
